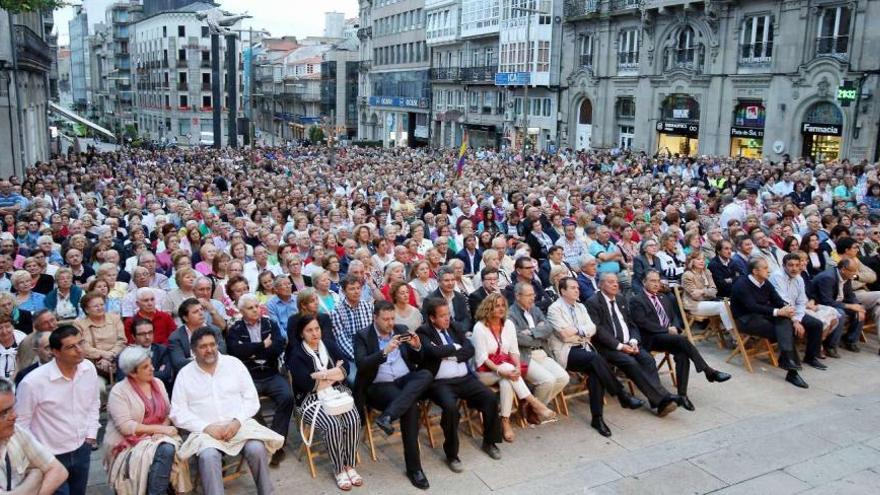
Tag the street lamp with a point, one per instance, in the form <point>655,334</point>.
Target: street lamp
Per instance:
<point>530,66</point>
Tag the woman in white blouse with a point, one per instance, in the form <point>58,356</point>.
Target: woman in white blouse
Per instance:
<point>496,355</point>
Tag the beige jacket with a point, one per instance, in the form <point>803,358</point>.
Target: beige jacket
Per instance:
<point>697,288</point>
<point>102,338</point>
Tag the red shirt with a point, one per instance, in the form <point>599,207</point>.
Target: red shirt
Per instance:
<point>163,326</point>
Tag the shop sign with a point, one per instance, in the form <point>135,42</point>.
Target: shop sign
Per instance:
<point>394,101</point>
<point>823,129</point>
<point>682,128</point>
<point>747,132</point>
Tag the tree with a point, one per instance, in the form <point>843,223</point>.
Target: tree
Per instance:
<point>316,134</point>
<point>20,6</point>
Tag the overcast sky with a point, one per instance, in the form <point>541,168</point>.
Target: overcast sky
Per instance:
<point>280,17</point>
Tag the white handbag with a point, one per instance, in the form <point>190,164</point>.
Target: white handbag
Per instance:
<point>334,402</point>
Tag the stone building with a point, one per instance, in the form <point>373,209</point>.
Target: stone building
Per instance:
<point>757,78</point>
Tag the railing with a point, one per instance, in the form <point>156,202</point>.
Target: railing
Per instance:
<point>587,61</point>
<point>832,46</point>
<point>206,86</point>
<point>182,86</point>
<point>580,8</point>
<point>205,64</point>
<point>31,49</point>
<point>446,74</point>
<point>624,4</point>
<point>479,74</point>
<point>365,33</point>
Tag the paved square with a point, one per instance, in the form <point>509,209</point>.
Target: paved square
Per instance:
<point>755,434</point>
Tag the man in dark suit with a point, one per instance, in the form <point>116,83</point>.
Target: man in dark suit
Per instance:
<point>446,355</point>
<point>724,272</point>
<point>744,251</point>
<point>760,311</point>
<point>555,258</point>
<point>833,287</point>
<point>470,255</point>
<point>142,331</point>
<point>661,327</point>
<point>458,303</point>
<point>387,357</point>
<point>192,314</point>
<point>257,342</point>
<point>586,279</point>
<point>524,273</point>
<point>489,278</point>
<point>618,341</point>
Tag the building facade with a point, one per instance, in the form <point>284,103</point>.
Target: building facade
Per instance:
<point>80,78</point>
<point>755,79</point>
<point>26,58</point>
<point>340,70</point>
<point>395,63</point>
<point>172,78</point>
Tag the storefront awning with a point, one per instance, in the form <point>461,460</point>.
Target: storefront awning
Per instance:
<point>67,114</point>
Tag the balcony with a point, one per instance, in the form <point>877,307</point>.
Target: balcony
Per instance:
<point>205,64</point>
<point>33,52</point>
<point>479,74</point>
<point>587,61</point>
<point>577,9</point>
<point>365,33</point>
<point>182,86</point>
<point>206,86</point>
<point>624,4</point>
<point>446,74</point>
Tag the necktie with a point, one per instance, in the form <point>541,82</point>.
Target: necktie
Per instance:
<point>618,327</point>
<point>661,313</point>
<point>574,320</point>
<point>446,338</point>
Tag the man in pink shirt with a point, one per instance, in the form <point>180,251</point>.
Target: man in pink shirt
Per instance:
<point>59,403</point>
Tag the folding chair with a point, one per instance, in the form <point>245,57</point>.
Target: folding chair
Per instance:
<point>310,456</point>
<point>714,323</point>
<point>742,348</point>
<point>427,419</point>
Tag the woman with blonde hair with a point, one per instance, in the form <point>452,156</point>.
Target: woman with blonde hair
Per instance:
<point>496,355</point>
<point>700,296</point>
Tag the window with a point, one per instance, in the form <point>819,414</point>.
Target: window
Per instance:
<point>488,102</point>
<point>535,107</point>
<point>628,49</point>
<point>181,55</point>
<point>547,109</point>
<point>756,39</point>
<point>183,127</point>
<point>543,56</point>
<point>473,102</point>
<point>181,77</point>
<point>206,102</point>
<point>164,31</point>
<point>627,134</point>
<point>205,32</point>
<point>626,108</point>
<point>184,101</point>
<point>686,48</point>
<point>833,33</point>
<point>181,31</point>
<point>587,51</point>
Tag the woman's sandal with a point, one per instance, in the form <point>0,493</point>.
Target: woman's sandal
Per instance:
<point>343,482</point>
<point>355,478</point>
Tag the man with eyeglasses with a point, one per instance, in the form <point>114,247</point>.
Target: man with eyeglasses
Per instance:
<point>489,280</point>
<point>142,331</point>
<point>31,467</point>
<point>524,270</point>
<point>59,403</point>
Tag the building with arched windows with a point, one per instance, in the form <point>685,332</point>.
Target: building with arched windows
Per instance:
<point>756,79</point>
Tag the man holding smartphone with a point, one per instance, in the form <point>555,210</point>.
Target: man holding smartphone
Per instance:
<point>386,356</point>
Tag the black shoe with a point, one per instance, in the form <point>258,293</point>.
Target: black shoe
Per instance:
<point>815,363</point>
<point>851,346</point>
<point>788,364</point>
<point>795,379</point>
<point>686,403</point>
<point>832,352</point>
<point>667,405</point>
<point>599,425</point>
<point>492,451</point>
<point>418,479</point>
<point>455,465</point>
<point>277,457</point>
<point>384,424</point>
<point>717,376</point>
<point>627,401</point>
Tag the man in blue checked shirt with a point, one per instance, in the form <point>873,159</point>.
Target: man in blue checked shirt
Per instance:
<point>351,315</point>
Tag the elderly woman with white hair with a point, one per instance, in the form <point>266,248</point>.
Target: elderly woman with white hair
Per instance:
<point>140,442</point>
<point>25,297</point>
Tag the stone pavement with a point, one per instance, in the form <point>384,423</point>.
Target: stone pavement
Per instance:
<point>754,434</point>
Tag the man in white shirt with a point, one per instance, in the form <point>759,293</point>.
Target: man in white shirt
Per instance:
<point>59,403</point>
<point>253,269</point>
<point>214,399</point>
<point>30,466</point>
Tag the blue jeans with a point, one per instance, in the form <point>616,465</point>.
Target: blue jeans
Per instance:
<point>77,463</point>
<point>160,470</point>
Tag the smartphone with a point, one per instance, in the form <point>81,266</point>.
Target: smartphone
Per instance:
<point>404,338</point>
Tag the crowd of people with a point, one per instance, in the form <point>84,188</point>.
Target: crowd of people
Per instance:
<point>160,300</point>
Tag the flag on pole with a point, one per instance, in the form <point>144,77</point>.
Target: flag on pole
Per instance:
<point>461,154</point>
